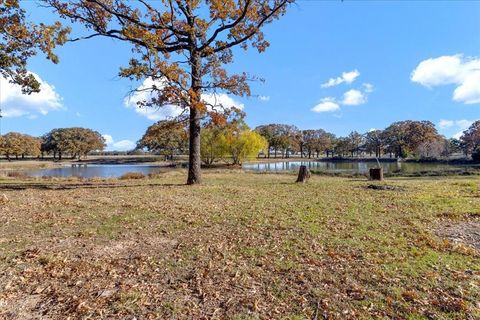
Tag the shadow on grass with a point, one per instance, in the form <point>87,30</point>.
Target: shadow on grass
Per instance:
<point>50,186</point>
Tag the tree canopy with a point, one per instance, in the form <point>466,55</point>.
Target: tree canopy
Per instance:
<point>72,141</point>
<point>165,137</point>
<point>471,138</point>
<point>182,45</point>
<point>18,144</point>
<point>20,40</point>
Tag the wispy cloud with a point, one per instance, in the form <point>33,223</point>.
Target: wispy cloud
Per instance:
<point>346,77</point>
<point>353,97</point>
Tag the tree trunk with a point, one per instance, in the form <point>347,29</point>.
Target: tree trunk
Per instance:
<point>194,157</point>
<point>376,174</point>
<point>303,174</point>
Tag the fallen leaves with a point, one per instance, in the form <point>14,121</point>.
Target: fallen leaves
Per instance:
<point>244,245</point>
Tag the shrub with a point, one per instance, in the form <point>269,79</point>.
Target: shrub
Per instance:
<point>132,175</point>
<point>16,174</point>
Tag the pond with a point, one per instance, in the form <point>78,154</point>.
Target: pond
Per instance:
<point>117,170</point>
<point>92,170</point>
<point>347,166</point>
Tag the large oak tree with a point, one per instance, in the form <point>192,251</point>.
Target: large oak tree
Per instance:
<point>183,46</point>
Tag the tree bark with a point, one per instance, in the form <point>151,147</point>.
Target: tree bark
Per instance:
<point>376,174</point>
<point>303,174</point>
<point>194,158</point>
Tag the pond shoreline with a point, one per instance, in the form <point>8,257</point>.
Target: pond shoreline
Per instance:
<point>459,161</point>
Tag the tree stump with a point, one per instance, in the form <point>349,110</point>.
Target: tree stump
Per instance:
<point>376,174</point>
<point>303,174</point>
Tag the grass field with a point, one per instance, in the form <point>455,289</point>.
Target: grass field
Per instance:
<point>240,246</point>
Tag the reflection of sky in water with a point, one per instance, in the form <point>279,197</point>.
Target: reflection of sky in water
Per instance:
<point>91,171</point>
<point>345,166</point>
<point>111,171</point>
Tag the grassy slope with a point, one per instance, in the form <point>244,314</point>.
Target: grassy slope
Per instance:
<point>240,246</point>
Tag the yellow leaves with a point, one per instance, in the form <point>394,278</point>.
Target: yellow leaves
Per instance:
<point>222,9</point>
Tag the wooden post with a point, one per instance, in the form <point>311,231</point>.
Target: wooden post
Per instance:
<point>376,174</point>
<point>303,174</point>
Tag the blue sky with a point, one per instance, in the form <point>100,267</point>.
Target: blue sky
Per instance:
<point>387,61</point>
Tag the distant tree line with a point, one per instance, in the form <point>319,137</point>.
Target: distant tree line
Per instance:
<point>228,138</point>
<point>73,142</point>
<point>231,138</point>
<point>403,139</point>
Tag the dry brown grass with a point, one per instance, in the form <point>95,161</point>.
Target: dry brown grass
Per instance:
<point>132,176</point>
<point>241,246</point>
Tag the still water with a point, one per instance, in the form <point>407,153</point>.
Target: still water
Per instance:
<point>347,166</point>
<point>92,171</point>
<point>112,171</point>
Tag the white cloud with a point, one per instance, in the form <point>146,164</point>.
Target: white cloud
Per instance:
<point>326,105</point>
<point>451,70</point>
<point>458,135</point>
<point>122,145</point>
<point>108,139</point>
<point>368,87</point>
<point>443,124</point>
<point>460,125</point>
<point>464,124</point>
<point>347,77</point>
<point>264,98</point>
<point>221,100</point>
<point>354,98</point>
<point>16,104</point>
<point>469,91</point>
<point>145,93</point>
